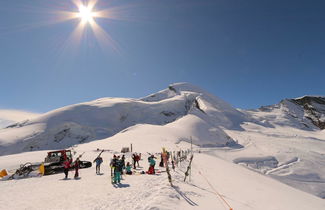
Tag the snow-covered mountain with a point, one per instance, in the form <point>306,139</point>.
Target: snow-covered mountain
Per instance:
<point>102,118</point>
<point>283,141</point>
<point>307,112</point>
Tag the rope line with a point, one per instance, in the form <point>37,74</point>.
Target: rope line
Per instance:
<point>216,192</point>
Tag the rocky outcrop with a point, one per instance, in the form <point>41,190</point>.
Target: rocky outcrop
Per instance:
<point>314,109</point>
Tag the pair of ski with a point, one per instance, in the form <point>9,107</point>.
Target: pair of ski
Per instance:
<point>112,175</point>
<point>188,168</point>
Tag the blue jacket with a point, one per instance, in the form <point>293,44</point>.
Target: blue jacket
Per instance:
<point>98,161</point>
<point>152,162</point>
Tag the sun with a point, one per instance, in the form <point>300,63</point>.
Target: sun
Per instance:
<point>85,14</point>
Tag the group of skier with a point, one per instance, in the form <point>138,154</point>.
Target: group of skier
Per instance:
<point>118,164</point>
<point>69,164</point>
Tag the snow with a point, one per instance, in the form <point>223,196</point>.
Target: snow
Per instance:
<point>107,117</point>
<point>241,188</point>
<point>271,158</point>
<point>9,116</point>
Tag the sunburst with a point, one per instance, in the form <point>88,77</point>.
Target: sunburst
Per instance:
<point>87,15</point>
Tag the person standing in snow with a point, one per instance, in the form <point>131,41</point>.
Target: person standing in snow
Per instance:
<point>76,167</point>
<point>137,158</point>
<point>98,161</point>
<point>112,165</point>
<point>123,162</point>
<point>152,164</point>
<point>134,157</point>
<point>118,167</point>
<point>67,166</point>
<point>113,161</point>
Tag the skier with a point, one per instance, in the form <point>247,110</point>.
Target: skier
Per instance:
<point>76,167</point>
<point>123,162</point>
<point>113,161</point>
<point>98,161</point>
<point>152,164</point>
<point>134,160</point>
<point>137,158</point>
<point>67,166</point>
<point>118,167</point>
<point>112,165</point>
<point>128,169</point>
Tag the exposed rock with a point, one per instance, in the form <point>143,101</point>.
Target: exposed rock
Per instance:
<point>314,108</point>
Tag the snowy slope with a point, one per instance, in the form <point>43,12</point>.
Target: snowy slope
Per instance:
<point>106,117</point>
<point>282,142</point>
<point>239,187</point>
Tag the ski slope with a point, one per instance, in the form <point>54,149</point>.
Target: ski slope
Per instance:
<point>239,187</point>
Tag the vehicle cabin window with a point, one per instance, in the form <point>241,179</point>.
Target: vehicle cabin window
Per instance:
<point>69,154</point>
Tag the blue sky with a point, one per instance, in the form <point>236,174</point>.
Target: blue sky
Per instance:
<point>247,52</point>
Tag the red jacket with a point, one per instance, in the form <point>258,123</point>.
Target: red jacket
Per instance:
<point>137,158</point>
<point>66,164</point>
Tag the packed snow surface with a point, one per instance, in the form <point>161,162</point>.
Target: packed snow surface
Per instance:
<point>211,177</point>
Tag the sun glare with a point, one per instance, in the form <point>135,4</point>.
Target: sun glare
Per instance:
<point>85,14</point>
